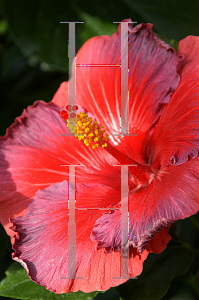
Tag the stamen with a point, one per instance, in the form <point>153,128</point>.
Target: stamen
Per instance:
<point>94,135</point>
<point>88,131</point>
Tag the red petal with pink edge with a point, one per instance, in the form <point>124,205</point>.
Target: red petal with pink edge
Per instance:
<point>33,156</point>
<point>176,136</point>
<point>172,195</point>
<point>152,79</point>
<point>41,245</point>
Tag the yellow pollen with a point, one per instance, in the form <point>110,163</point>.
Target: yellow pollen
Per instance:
<point>90,132</point>
<point>87,130</point>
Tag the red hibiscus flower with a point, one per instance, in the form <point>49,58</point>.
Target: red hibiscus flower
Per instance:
<point>163,185</point>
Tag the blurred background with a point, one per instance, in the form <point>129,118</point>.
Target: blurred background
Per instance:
<point>34,62</point>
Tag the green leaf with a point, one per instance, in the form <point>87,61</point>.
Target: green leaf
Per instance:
<point>3,27</point>
<point>174,19</point>
<point>18,285</point>
<point>158,271</point>
<point>21,85</point>
<point>36,29</point>
<point>43,38</point>
<point>95,26</point>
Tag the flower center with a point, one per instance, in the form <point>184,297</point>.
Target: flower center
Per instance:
<point>94,135</point>
<point>90,132</point>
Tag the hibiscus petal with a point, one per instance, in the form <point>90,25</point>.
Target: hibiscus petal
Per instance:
<point>32,156</point>
<point>176,136</point>
<point>152,79</point>
<point>172,195</point>
<point>41,246</point>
